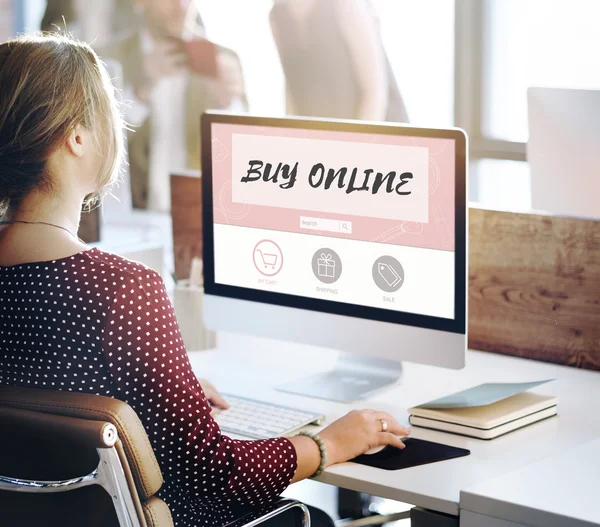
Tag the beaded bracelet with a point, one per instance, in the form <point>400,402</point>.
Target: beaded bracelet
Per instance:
<point>322,450</point>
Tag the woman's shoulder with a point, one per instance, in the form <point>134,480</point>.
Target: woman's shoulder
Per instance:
<point>118,267</point>
<point>128,284</point>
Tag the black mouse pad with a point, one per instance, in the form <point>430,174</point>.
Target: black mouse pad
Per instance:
<point>417,452</point>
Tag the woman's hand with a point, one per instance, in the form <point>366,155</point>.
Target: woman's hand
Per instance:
<point>166,59</point>
<point>213,396</point>
<point>359,431</point>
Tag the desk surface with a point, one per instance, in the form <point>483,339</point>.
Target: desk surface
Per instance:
<point>553,492</point>
<point>253,367</point>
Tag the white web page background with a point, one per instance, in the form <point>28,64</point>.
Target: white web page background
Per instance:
<point>428,287</point>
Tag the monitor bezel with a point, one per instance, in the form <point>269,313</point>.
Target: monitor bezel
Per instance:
<point>456,325</point>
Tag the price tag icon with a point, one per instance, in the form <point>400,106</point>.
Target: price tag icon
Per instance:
<point>388,274</point>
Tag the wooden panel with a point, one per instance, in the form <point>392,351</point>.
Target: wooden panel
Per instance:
<point>186,210</point>
<point>534,287</point>
<point>534,281</point>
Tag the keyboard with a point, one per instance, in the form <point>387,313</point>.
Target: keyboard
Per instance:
<point>260,420</point>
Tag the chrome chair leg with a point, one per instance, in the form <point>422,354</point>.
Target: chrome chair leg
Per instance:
<point>380,519</point>
<point>108,474</point>
<point>256,518</point>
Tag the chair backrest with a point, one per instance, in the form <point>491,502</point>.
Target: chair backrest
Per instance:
<point>54,441</point>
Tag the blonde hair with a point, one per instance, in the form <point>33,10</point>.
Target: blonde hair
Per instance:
<point>49,85</point>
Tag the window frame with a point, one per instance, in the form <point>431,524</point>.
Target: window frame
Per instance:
<point>471,73</point>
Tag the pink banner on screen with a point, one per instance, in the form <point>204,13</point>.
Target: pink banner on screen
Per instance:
<point>415,210</point>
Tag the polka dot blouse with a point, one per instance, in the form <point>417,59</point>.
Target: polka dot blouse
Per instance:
<point>98,323</point>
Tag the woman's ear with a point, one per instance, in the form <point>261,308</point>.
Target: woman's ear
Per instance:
<point>76,140</point>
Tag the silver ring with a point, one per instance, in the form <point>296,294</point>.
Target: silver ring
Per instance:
<point>383,425</point>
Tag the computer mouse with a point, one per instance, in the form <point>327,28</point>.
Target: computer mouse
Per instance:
<point>377,449</point>
<point>374,450</point>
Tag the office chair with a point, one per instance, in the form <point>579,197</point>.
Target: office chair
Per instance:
<point>79,459</point>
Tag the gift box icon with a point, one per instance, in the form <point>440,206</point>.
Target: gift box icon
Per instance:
<point>326,266</point>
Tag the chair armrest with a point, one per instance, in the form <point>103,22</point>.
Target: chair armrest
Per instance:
<point>271,511</point>
<point>83,432</point>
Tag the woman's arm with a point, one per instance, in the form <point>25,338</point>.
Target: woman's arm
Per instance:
<point>308,456</point>
<point>152,373</point>
<point>346,438</point>
<point>363,40</point>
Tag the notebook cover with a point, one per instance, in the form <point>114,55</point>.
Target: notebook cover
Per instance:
<point>482,395</point>
<point>417,452</point>
<point>482,433</point>
<point>492,415</point>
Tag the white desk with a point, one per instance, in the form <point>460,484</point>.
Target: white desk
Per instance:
<point>253,367</point>
<point>560,490</point>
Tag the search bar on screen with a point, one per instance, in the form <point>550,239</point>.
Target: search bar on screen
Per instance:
<point>324,224</point>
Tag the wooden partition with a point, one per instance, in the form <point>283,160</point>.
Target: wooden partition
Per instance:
<point>89,226</point>
<point>534,287</point>
<point>186,207</point>
<point>534,280</point>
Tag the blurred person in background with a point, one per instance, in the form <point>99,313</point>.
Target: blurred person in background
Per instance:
<point>89,21</point>
<point>169,92</point>
<point>59,16</point>
<point>334,61</point>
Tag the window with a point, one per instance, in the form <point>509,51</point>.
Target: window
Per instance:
<point>420,49</point>
<point>32,12</point>
<point>466,63</point>
<point>502,48</point>
<point>505,46</point>
<point>249,34</point>
<point>535,43</point>
<point>6,19</point>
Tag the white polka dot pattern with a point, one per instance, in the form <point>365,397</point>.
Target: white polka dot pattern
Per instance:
<point>98,323</point>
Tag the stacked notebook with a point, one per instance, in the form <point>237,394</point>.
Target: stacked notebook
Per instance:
<point>486,411</point>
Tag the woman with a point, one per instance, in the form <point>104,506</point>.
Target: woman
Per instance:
<point>334,62</point>
<point>80,319</point>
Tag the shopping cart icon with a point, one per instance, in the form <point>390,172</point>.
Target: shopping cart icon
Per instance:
<point>268,259</point>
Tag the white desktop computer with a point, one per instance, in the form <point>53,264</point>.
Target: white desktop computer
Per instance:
<point>338,234</point>
<point>563,151</point>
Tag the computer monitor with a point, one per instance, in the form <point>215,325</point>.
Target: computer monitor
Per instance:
<point>564,151</point>
<point>337,234</point>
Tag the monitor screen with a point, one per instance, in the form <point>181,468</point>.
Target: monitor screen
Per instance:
<point>351,222</point>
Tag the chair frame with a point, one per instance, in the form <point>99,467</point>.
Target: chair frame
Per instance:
<point>109,474</point>
<point>272,511</point>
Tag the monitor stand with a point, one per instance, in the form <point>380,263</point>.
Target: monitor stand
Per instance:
<point>354,377</point>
